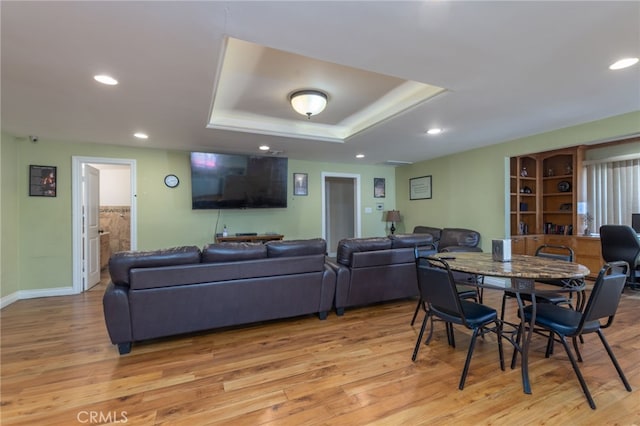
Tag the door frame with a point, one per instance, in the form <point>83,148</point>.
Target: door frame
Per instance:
<point>357,201</point>
<point>78,272</point>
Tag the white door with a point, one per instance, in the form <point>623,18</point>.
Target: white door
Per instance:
<point>91,197</point>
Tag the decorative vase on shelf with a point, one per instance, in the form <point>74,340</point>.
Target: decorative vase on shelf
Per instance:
<point>586,231</point>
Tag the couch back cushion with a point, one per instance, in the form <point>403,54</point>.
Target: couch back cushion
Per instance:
<point>233,251</point>
<point>292,248</point>
<point>120,263</point>
<point>436,233</point>
<point>348,246</point>
<point>410,240</point>
<point>458,237</point>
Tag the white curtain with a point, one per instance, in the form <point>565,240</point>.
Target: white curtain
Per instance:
<point>613,192</point>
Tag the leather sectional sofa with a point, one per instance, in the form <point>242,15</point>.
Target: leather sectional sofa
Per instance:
<point>451,239</point>
<point>167,292</point>
<point>371,270</point>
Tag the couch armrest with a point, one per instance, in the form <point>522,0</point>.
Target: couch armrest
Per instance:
<point>117,316</point>
<point>343,276</point>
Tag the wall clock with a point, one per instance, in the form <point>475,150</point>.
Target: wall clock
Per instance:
<point>171,181</point>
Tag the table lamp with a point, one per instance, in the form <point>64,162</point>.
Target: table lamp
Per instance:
<point>393,216</point>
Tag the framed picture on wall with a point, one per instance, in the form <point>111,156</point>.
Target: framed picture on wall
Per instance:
<point>420,188</point>
<point>379,188</point>
<point>42,181</point>
<point>300,184</point>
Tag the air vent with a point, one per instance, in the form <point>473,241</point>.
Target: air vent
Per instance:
<point>396,163</point>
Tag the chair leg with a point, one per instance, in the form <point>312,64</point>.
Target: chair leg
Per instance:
<point>577,349</point>
<point>468,360</point>
<point>415,313</point>
<point>424,325</point>
<point>450,335</point>
<point>574,364</point>
<point>500,352</point>
<point>504,300</point>
<point>614,361</point>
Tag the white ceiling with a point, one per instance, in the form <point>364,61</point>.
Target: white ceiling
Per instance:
<point>510,69</point>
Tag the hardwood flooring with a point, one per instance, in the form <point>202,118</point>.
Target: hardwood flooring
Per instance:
<point>59,368</point>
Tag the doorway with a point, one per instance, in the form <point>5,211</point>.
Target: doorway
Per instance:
<point>340,208</point>
<point>83,212</point>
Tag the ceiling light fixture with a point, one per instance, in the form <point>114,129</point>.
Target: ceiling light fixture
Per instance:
<point>623,63</point>
<point>359,155</point>
<point>263,147</point>
<point>434,131</point>
<point>105,79</point>
<point>308,102</point>
<point>141,135</point>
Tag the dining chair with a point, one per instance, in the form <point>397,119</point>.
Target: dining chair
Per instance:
<point>621,242</point>
<point>439,293</point>
<point>548,251</point>
<point>465,291</point>
<point>563,322</point>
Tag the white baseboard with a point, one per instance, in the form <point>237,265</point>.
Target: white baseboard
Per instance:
<point>32,294</point>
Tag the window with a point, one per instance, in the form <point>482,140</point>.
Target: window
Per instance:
<point>613,190</point>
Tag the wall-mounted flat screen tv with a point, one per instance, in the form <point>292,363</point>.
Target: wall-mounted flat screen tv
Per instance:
<point>233,181</point>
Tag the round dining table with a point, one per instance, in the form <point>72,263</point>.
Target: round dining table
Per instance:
<point>523,273</point>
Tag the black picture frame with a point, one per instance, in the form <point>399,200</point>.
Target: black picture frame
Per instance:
<point>379,188</point>
<point>300,184</point>
<point>43,181</point>
<point>420,188</point>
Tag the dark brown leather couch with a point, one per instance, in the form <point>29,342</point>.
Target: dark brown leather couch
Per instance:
<point>451,239</point>
<point>370,270</point>
<point>166,292</point>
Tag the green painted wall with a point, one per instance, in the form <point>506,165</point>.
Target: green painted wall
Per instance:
<point>469,188</point>
<point>43,226</point>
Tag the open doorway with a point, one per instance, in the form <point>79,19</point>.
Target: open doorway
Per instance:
<point>104,214</point>
<point>340,208</point>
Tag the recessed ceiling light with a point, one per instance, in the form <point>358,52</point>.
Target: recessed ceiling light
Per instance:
<point>623,63</point>
<point>434,131</point>
<point>141,135</point>
<point>263,147</point>
<point>105,79</point>
<point>359,155</point>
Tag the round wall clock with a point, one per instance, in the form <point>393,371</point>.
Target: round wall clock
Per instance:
<point>171,181</point>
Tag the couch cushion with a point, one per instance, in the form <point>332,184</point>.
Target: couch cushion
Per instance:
<point>290,248</point>
<point>410,240</point>
<point>233,251</point>
<point>435,232</point>
<point>348,246</point>
<point>120,263</point>
<point>458,237</point>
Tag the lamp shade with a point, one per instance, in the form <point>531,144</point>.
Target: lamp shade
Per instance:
<point>308,102</point>
<point>393,216</point>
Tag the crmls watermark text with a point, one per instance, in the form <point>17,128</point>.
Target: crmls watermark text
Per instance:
<point>97,417</point>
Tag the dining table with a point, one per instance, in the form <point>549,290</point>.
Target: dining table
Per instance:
<point>523,274</point>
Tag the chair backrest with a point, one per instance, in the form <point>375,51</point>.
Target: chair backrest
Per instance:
<point>605,296</point>
<point>437,287</point>
<point>550,251</point>
<point>619,242</point>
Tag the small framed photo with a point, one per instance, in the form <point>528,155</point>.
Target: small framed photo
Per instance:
<point>42,181</point>
<point>300,184</point>
<point>379,188</point>
<point>420,188</point>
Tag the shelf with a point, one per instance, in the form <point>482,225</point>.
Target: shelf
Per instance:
<point>557,212</point>
<point>558,194</point>
<point>559,177</point>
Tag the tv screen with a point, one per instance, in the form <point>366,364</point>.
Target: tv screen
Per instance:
<point>233,181</point>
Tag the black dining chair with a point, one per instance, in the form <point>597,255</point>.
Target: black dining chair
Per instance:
<point>548,251</point>
<point>438,291</point>
<point>465,291</point>
<point>568,323</point>
<point>621,242</point>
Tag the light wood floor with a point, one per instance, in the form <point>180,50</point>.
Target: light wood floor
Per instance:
<point>59,368</point>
